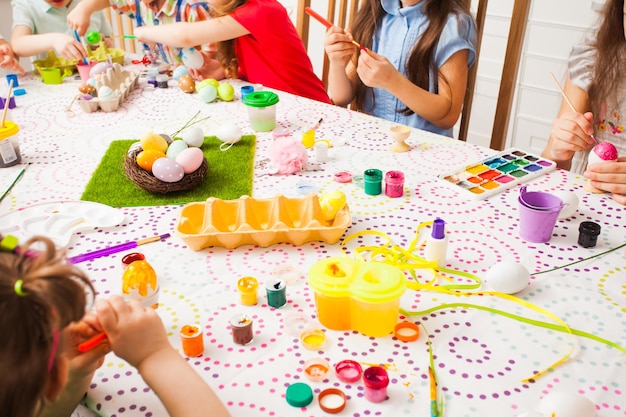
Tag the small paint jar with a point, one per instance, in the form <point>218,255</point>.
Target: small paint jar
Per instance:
<point>372,181</point>
<point>332,400</point>
<point>588,234</point>
<point>313,339</point>
<point>9,145</point>
<point>241,326</point>
<point>321,151</point>
<point>394,184</point>
<point>348,371</point>
<point>316,369</point>
<point>276,290</point>
<point>192,340</point>
<point>375,381</point>
<point>245,90</point>
<point>161,80</point>
<point>247,287</point>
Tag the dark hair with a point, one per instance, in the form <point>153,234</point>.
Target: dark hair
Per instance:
<point>52,295</point>
<point>422,56</point>
<point>610,46</point>
<point>226,49</point>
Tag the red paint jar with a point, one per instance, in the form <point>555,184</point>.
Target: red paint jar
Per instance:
<point>394,184</point>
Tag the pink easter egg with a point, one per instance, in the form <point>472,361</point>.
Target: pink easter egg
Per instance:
<point>167,170</point>
<point>190,159</point>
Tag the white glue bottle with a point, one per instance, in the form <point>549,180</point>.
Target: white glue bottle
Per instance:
<point>437,243</point>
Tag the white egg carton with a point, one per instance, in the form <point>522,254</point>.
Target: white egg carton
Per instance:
<point>121,81</point>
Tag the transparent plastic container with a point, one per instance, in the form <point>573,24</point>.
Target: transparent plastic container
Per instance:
<point>9,145</point>
<point>261,110</point>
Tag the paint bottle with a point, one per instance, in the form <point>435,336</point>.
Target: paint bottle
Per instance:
<point>241,326</point>
<point>375,380</point>
<point>372,180</point>
<point>247,287</point>
<point>276,293</point>
<point>437,244</point>
<point>192,340</point>
<point>394,184</point>
<point>588,234</point>
<point>161,80</point>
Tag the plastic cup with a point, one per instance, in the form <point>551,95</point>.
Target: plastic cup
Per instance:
<point>12,77</point>
<point>9,145</point>
<point>536,222</point>
<point>84,69</point>
<point>261,110</point>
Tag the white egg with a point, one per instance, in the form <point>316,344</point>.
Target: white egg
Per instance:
<point>228,133</point>
<point>105,92</point>
<point>594,158</point>
<point>571,203</point>
<point>194,136</point>
<point>567,404</point>
<point>507,277</point>
<point>192,58</point>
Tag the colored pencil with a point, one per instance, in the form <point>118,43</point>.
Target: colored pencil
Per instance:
<point>326,23</point>
<point>92,342</point>
<point>114,249</point>
<point>569,103</point>
<point>434,410</point>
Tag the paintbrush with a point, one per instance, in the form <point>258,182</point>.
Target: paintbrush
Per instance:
<point>569,103</point>
<point>19,175</point>
<point>78,39</point>
<point>6,103</point>
<point>114,249</point>
<point>328,24</point>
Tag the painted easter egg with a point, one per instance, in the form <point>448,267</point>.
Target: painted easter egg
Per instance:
<point>507,277</point>
<point>99,68</point>
<point>179,71</point>
<point>153,141</point>
<point>105,93</point>
<point>167,170</point>
<point>87,89</point>
<point>187,84</point>
<point>175,148</point>
<point>207,94</point>
<point>192,58</point>
<point>190,159</point>
<point>145,159</point>
<point>194,136</point>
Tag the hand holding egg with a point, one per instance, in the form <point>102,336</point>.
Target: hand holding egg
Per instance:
<point>602,152</point>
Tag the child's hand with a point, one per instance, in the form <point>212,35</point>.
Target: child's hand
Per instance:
<point>68,47</point>
<point>338,46</point>
<point>84,364</point>
<point>570,134</point>
<point>79,19</point>
<point>134,332</point>
<point>375,70</point>
<point>211,68</point>
<point>8,59</point>
<point>610,177</point>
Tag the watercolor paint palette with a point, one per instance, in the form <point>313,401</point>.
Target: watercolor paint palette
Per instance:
<point>498,172</point>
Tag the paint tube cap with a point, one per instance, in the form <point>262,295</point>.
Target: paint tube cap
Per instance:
<point>438,231</point>
<point>406,331</point>
<point>299,395</point>
<point>332,400</point>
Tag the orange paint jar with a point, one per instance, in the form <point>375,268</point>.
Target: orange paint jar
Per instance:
<point>192,340</point>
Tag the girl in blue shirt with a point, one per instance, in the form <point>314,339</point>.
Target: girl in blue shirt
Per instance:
<point>415,69</point>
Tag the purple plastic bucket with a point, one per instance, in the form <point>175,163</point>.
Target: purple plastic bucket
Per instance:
<point>538,212</point>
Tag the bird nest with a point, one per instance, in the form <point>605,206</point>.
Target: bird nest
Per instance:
<point>149,182</point>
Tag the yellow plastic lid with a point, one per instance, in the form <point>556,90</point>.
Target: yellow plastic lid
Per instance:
<point>333,276</point>
<point>378,283</point>
<point>9,129</point>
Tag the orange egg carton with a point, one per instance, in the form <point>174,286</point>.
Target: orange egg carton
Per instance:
<point>262,222</point>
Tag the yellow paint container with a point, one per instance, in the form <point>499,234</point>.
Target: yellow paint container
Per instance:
<point>247,287</point>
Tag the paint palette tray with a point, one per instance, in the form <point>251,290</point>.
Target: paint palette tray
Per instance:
<point>497,173</point>
<point>262,222</point>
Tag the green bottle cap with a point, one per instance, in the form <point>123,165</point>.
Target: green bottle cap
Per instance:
<point>299,395</point>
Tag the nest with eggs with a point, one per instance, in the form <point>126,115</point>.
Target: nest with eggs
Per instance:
<point>150,183</point>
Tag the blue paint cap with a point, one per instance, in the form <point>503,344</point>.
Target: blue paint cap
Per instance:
<point>438,231</point>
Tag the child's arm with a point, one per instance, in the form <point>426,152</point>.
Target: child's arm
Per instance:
<point>137,335</point>
<point>341,74</point>
<point>189,34</point>
<point>8,59</point>
<point>442,108</point>
<point>79,17</point>
<point>25,43</point>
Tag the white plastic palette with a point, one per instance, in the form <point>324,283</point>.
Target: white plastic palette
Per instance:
<point>497,173</point>
<point>58,220</point>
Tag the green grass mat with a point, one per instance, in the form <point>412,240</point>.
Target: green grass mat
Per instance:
<point>229,177</point>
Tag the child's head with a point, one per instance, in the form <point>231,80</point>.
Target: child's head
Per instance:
<point>58,3</point>
<point>39,296</point>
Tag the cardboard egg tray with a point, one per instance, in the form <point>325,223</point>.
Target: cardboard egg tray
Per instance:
<point>262,222</point>
<point>121,81</point>
<point>102,54</point>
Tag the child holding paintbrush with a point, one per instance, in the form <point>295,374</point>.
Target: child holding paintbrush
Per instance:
<point>41,25</point>
<point>43,319</point>
<point>415,70</point>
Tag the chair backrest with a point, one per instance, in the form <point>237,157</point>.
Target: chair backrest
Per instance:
<point>508,78</point>
<point>122,25</point>
<point>341,13</point>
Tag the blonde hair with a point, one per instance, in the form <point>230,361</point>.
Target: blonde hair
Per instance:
<point>40,294</point>
<point>226,49</point>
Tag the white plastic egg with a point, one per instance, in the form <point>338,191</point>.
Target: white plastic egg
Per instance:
<point>179,71</point>
<point>190,159</point>
<point>566,404</point>
<point>194,136</point>
<point>507,277</point>
<point>175,148</point>
<point>192,58</point>
<point>167,170</point>
<point>229,133</point>
<point>571,203</point>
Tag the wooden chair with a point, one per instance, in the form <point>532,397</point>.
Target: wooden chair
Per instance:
<point>122,25</point>
<point>509,73</point>
<point>340,13</point>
